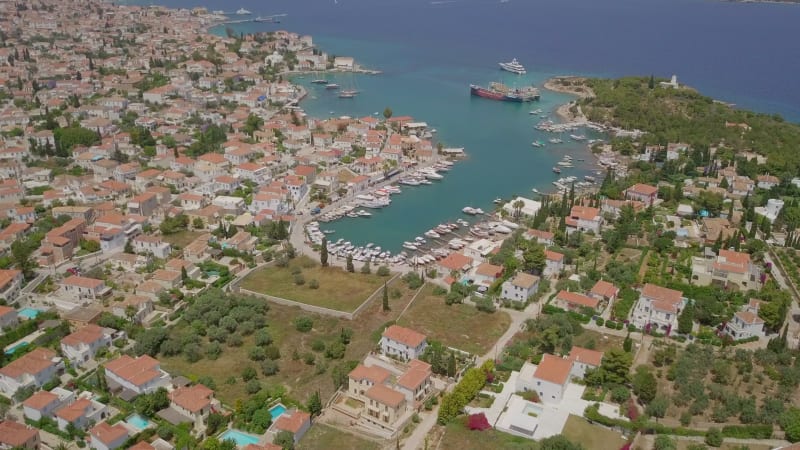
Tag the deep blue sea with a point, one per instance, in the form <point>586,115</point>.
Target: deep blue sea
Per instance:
<point>430,51</point>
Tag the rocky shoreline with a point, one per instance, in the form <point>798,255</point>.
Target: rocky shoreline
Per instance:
<point>572,85</point>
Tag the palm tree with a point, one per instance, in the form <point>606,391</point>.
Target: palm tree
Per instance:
<point>518,205</point>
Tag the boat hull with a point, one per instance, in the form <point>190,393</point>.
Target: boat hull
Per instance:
<point>478,91</point>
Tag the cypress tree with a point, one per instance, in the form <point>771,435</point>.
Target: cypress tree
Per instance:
<point>385,298</point>
<point>323,253</point>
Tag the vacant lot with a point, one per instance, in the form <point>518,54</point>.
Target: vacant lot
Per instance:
<point>338,289</point>
<point>458,437</point>
<point>460,326</point>
<point>301,379</point>
<point>592,437</point>
<point>322,436</point>
<point>597,341</point>
<point>182,238</point>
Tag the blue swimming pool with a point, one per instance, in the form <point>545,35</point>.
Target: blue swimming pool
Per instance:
<point>28,313</point>
<point>276,411</point>
<point>138,422</point>
<point>241,438</point>
<point>16,347</point>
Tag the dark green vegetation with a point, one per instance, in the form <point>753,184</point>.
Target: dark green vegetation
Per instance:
<point>683,115</point>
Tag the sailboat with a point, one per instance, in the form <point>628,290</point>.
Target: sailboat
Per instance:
<point>319,79</point>
<point>351,91</point>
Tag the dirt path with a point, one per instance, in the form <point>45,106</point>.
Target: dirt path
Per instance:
<point>643,267</point>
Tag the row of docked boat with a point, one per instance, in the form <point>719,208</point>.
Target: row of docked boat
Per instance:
<point>378,198</point>
<point>368,253</point>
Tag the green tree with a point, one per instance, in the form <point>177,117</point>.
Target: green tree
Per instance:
<point>285,439</point>
<point>685,320</point>
<point>644,385</point>
<point>385,298</point>
<point>533,258</point>
<point>387,113</point>
<point>616,366</point>
<point>21,255</point>
<point>658,407</point>
<point>627,344</point>
<point>451,365</point>
<point>790,423</point>
<point>714,437</point>
<point>349,264</point>
<point>323,253</point>
<point>664,442</point>
<point>314,405</point>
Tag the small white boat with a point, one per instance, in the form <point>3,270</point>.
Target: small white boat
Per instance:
<point>497,201</point>
<point>469,210</point>
<point>432,234</point>
<point>478,211</point>
<point>536,191</point>
<point>409,245</point>
<point>363,213</point>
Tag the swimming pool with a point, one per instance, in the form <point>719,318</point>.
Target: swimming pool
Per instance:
<point>138,422</point>
<point>16,347</point>
<point>241,438</point>
<point>276,411</point>
<point>28,313</point>
<point>532,408</point>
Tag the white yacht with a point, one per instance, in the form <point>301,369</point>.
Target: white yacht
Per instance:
<point>243,12</point>
<point>514,67</point>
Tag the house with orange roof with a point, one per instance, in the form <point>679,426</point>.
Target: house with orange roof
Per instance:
<point>573,301</point>
<point>542,237</point>
<point>384,407</point>
<point>658,307</point>
<point>10,284</point>
<point>13,232</point>
<point>81,345</point>
<point>132,377</point>
<point>746,323</point>
<point>45,403</point>
<point>60,242</point>
<point>486,274</point>
<point>455,262</point>
<point>364,377</point>
<point>80,413</point>
<point>16,435</point>
<point>107,437</point>
<point>194,403</point>
<point>403,343</point>
<point>644,193</point>
<point>8,318</point>
<point>31,369</point>
<point>415,383</point>
<point>549,379</point>
<point>554,263</point>
<point>84,288</point>
<point>614,208</point>
<point>604,291</point>
<point>295,422</point>
<point>728,267</point>
<point>584,219</point>
<point>584,359</point>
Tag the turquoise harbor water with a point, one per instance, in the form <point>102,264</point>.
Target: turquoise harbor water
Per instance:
<point>431,51</point>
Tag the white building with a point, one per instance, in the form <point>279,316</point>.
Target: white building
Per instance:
<point>140,376</point>
<point>403,343</point>
<point>658,307</point>
<point>771,211</point>
<point>152,245</point>
<point>10,284</point>
<point>549,379</point>
<point>520,288</point>
<point>107,437</point>
<point>44,403</point>
<point>32,369</point>
<point>83,288</point>
<point>746,323</point>
<point>81,413</point>
<point>80,346</point>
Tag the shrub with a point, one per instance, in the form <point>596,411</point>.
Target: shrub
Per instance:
<point>303,324</point>
<point>599,321</point>
<point>269,367</point>
<point>309,358</point>
<point>248,373</point>
<point>383,271</point>
<point>714,437</point>
<point>299,280</point>
<point>318,346</point>
<point>313,284</point>
<point>620,394</point>
<point>252,387</point>
<point>439,291</point>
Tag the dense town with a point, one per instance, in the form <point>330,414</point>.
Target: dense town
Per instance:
<point>165,282</point>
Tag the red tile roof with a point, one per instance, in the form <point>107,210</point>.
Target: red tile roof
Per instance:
<point>586,356</point>
<point>661,293</point>
<point>86,335</point>
<point>578,299</point>
<point>16,434</point>
<point>416,374</point>
<point>31,363</point>
<point>192,399</point>
<point>553,369</point>
<point>385,395</point>
<point>40,400</point>
<point>604,289</point>
<point>455,261</point>
<point>375,374</point>
<point>404,335</point>
<point>292,423</point>
<point>108,434</point>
